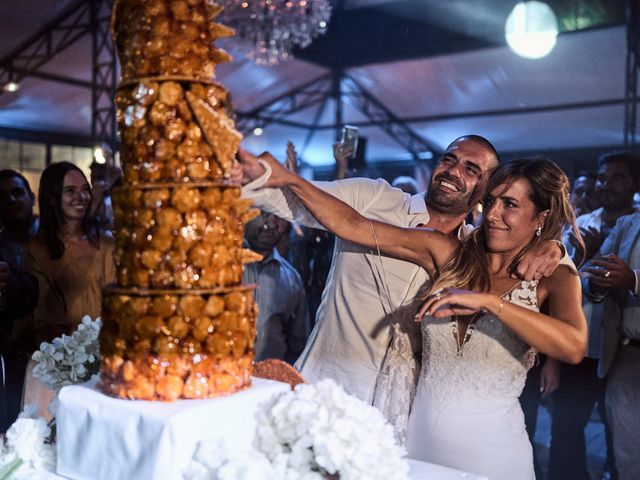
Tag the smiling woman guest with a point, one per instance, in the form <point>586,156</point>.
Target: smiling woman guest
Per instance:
<point>71,260</point>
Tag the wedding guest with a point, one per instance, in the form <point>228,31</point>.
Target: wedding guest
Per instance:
<point>71,260</point>
<point>18,296</point>
<point>581,387</point>
<point>311,249</point>
<point>17,226</point>
<point>364,292</point>
<point>283,319</point>
<point>583,194</point>
<point>614,276</point>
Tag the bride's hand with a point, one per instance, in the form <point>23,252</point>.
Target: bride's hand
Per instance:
<point>453,301</point>
<point>279,177</point>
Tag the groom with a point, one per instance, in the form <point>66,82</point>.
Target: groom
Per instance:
<point>365,290</point>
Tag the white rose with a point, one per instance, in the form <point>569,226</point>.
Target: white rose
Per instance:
<point>196,471</point>
<point>26,437</point>
<point>212,453</point>
<point>251,466</point>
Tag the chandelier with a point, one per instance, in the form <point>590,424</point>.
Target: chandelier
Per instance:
<point>268,30</point>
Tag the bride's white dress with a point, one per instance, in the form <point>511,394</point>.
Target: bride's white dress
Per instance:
<point>466,412</point>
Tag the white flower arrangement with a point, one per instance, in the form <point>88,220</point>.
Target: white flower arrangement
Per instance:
<point>27,447</point>
<point>314,432</point>
<point>213,461</point>
<point>68,360</point>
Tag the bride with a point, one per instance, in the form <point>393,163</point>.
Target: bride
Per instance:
<point>481,328</point>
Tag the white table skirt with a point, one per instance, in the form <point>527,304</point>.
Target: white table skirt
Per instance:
<point>429,471</point>
<point>105,438</point>
<point>79,397</point>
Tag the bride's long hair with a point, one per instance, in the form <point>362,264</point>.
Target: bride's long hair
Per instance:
<point>469,268</point>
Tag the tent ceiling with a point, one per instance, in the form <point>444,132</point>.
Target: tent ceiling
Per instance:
<point>440,66</point>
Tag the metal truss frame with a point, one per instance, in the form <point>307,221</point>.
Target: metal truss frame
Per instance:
<point>385,119</point>
<point>79,19</point>
<point>338,86</point>
<point>61,32</point>
<point>277,109</point>
<point>103,75</point>
<point>632,72</point>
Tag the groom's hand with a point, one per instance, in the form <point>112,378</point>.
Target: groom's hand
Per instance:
<point>541,261</point>
<point>251,168</point>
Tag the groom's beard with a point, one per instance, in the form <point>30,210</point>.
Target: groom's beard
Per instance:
<point>451,205</point>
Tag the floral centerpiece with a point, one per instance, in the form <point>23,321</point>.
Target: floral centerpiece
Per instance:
<point>314,432</point>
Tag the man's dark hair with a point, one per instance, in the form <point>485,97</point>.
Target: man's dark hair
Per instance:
<point>480,140</point>
<point>631,160</point>
<point>8,173</point>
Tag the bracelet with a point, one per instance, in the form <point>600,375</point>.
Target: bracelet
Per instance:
<point>500,308</point>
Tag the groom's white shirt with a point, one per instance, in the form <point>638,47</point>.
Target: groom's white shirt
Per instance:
<point>351,335</point>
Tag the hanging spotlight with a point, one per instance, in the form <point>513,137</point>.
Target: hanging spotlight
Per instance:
<point>98,156</point>
<point>531,29</point>
<point>11,87</point>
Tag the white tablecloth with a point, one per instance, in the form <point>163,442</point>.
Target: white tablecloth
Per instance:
<point>105,438</point>
<point>429,471</point>
<point>87,413</point>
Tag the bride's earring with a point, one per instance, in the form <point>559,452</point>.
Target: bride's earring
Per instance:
<point>539,231</point>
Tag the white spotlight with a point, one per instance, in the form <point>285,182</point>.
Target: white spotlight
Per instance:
<point>257,131</point>
<point>98,155</point>
<point>11,87</point>
<point>531,29</point>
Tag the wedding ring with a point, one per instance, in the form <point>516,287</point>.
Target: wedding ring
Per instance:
<point>607,274</point>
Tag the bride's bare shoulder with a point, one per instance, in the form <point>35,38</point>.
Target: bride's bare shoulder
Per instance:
<point>563,281</point>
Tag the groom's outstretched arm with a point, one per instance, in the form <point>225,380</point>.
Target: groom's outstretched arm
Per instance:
<point>359,193</point>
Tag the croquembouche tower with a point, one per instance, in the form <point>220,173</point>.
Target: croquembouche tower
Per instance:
<point>178,323</point>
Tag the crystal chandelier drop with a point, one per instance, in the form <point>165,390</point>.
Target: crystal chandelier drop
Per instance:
<point>269,29</point>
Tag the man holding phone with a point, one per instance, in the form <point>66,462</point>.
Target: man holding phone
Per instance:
<point>366,292</point>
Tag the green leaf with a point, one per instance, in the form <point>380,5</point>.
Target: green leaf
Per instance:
<point>10,468</point>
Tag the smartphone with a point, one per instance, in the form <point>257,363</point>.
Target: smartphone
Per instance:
<point>350,138</point>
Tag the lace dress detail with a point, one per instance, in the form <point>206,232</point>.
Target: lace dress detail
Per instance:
<point>473,391</point>
<point>492,362</point>
<point>397,381</point>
